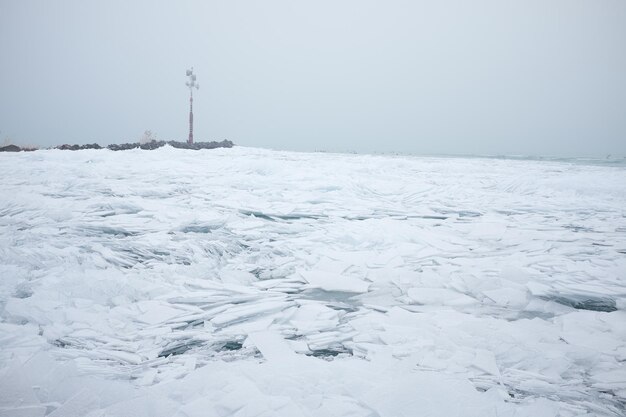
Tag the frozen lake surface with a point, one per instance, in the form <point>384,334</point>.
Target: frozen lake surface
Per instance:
<point>248,282</point>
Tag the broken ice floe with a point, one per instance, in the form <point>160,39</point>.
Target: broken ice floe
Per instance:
<point>249,282</point>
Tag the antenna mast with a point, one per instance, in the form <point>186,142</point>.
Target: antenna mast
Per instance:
<point>191,83</point>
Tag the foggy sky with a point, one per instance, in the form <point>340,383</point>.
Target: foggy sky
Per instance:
<point>539,77</point>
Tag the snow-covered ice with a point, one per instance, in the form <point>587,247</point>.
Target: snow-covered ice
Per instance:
<point>249,282</point>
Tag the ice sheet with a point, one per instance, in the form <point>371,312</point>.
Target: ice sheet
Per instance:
<point>249,282</point>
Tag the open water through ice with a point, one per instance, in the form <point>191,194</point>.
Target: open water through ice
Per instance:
<point>248,282</point>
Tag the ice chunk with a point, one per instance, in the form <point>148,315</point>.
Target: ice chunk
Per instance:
<point>16,389</point>
<point>155,312</point>
<point>486,361</point>
<point>344,406</point>
<point>494,275</point>
<point>248,310</point>
<point>146,405</point>
<point>540,407</point>
<point>430,394</point>
<point>611,380</point>
<point>508,297</point>
<point>272,346</point>
<point>311,317</point>
<point>148,377</point>
<point>439,296</point>
<point>120,356</point>
<point>200,407</point>
<point>27,310</point>
<point>77,406</point>
<point>329,281</point>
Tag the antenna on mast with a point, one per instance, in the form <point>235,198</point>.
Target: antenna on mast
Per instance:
<point>191,83</point>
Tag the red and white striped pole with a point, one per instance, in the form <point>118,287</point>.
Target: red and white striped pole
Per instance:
<point>191,83</point>
<point>190,140</point>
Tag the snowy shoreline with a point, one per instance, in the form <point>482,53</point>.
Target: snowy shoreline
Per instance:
<point>252,282</point>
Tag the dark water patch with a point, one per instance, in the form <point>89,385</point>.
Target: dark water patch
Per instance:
<point>584,302</point>
<point>529,315</point>
<point>230,346</point>
<point>329,353</point>
<point>329,296</point>
<point>179,348</point>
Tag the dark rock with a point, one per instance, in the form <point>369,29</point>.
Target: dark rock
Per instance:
<point>91,146</point>
<point>123,146</point>
<point>66,147</point>
<point>201,145</point>
<point>10,148</point>
<point>152,145</point>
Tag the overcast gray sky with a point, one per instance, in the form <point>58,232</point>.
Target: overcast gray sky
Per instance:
<point>542,77</point>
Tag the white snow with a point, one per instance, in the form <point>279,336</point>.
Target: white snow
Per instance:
<point>248,282</point>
